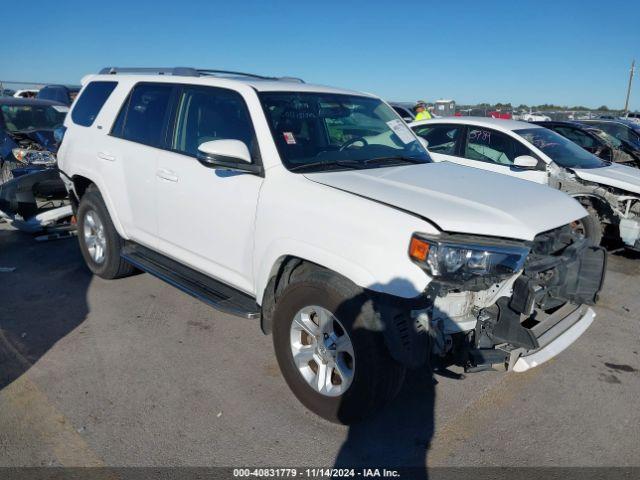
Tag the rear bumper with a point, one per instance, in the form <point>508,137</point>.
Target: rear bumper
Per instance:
<point>553,341</point>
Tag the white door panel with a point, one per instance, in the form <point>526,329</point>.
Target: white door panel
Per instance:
<point>207,217</point>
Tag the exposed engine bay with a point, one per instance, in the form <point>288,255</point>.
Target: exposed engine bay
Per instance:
<point>482,328</point>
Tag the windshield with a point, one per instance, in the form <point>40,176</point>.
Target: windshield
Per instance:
<point>320,131</point>
<point>18,118</point>
<point>561,150</point>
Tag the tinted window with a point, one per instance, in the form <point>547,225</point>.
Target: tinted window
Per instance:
<point>562,151</point>
<point>207,113</point>
<point>488,145</point>
<point>576,136</point>
<point>441,138</point>
<point>620,131</point>
<point>21,118</point>
<point>89,104</point>
<point>143,117</point>
<point>403,112</point>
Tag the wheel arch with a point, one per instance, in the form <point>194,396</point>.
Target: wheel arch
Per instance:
<point>602,207</point>
<point>80,185</point>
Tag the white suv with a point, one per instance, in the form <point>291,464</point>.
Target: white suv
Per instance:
<point>318,211</point>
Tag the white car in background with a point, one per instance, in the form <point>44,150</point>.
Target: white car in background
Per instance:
<point>610,192</point>
<point>535,117</point>
<point>31,93</point>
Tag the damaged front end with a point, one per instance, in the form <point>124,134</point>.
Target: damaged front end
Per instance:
<point>548,307</point>
<point>35,201</point>
<point>504,303</point>
<point>615,209</point>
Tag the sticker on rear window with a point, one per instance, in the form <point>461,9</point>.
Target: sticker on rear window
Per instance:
<point>401,130</point>
<point>60,108</point>
<point>289,138</point>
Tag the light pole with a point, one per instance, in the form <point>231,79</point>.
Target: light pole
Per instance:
<point>631,72</point>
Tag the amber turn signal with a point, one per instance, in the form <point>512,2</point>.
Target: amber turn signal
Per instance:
<point>418,249</point>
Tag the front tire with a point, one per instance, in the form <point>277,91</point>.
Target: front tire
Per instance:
<point>590,227</point>
<point>329,349</point>
<point>99,241</point>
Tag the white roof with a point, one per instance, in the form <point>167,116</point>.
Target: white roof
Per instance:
<point>259,84</point>
<point>495,123</point>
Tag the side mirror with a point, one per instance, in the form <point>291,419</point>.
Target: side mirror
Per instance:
<point>227,155</point>
<point>424,142</point>
<point>526,162</point>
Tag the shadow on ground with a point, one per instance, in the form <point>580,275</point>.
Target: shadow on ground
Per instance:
<point>52,280</point>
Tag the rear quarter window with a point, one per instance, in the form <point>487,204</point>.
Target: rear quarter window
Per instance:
<point>90,102</point>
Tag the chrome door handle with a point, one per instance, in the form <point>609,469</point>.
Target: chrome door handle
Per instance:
<point>106,156</point>
<point>168,175</point>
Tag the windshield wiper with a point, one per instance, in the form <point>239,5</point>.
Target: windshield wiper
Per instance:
<point>394,160</point>
<point>329,163</point>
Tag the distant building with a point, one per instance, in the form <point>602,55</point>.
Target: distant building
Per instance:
<point>445,108</point>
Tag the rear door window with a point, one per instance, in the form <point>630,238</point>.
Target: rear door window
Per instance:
<point>89,104</point>
<point>487,145</point>
<point>442,138</point>
<point>143,117</point>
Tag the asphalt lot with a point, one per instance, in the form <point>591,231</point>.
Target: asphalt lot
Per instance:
<point>134,372</point>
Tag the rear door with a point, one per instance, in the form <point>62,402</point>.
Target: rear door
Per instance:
<point>136,138</point>
<point>495,151</point>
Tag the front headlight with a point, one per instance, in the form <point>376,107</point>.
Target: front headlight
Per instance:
<point>458,258</point>
<point>34,157</point>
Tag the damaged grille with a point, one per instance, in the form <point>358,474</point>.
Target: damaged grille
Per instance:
<point>562,269</point>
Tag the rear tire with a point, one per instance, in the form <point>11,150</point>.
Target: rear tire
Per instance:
<point>374,378</point>
<point>99,241</point>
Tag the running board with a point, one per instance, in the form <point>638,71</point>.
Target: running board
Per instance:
<point>212,292</point>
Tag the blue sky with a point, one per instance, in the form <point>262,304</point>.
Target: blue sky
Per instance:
<point>564,51</point>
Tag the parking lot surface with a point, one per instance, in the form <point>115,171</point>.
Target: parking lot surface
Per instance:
<point>133,372</point>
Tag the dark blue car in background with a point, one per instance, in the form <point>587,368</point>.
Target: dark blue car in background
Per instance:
<point>27,141</point>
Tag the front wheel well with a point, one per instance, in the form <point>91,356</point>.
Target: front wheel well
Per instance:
<point>283,271</point>
<point>597,205</point>
<point>80,185</point>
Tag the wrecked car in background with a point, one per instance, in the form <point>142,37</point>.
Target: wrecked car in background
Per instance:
<point>610,192</point>
<point>597,141</point>
<point>32,195</point>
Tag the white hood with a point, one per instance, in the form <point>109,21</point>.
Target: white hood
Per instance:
<point>617,176</point>
<point>461,199</point>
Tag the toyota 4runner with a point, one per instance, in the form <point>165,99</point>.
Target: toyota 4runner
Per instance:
<point>319,212</point>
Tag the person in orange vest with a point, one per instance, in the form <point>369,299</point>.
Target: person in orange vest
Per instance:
<point>421,111</point>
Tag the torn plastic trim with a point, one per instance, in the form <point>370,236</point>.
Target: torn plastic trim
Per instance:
<point>554,342</point>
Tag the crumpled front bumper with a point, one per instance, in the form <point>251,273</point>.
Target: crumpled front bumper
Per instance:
<point>553,341</point>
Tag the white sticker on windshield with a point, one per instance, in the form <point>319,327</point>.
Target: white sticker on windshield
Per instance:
<point>60,108</point>
<point>401,130</point>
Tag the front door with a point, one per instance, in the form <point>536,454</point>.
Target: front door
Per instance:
<point>206,216</point>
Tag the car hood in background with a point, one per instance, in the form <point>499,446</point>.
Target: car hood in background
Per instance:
<point>461,199</point>
<point>44,138</point>
<point>617,176</point>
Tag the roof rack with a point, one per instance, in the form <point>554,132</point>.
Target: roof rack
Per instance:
<point>191,72</point>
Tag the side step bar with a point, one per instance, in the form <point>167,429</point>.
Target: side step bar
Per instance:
<point>213,292</point>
